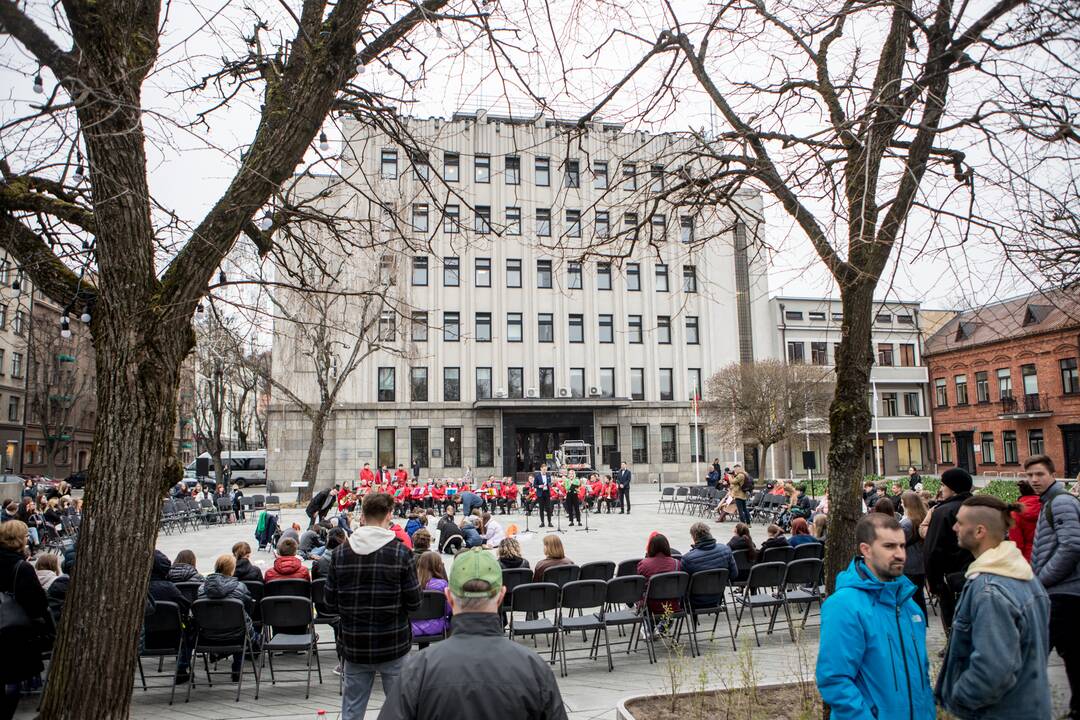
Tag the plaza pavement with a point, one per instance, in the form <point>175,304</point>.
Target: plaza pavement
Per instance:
<point>589,691</point>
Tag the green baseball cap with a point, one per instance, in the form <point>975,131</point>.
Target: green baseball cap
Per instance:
<point>475,564</point>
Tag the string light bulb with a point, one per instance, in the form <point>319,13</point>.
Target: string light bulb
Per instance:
<point>438,31</point>
<point>39,85</point>
<point>324,143</point>
<point>16,285</point>
<point>85,317</point>
<point>266,221</point>
<point>78,177</point>
<point>65,326</point>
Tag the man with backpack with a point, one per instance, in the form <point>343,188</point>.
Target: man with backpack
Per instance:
<point>741,487</point>
<point>1055,559</point>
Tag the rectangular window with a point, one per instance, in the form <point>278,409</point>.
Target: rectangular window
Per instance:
<point>513,221</point>
<point>418,384</point>
<point>1070,380</point>
<point>609,443</point>
<point>1009,452</point>
<point>482,272</point>
<point>452,219</point>
<point>13,408</point>
<point>388,164</point>
<point>633,277</point>
<point>600,175</point>
<point>418,446</point>
<point>668,448</point>
<point>686,229</point>
<point>603,224</point>
<point>697,448</point>
<point>946,448</point>
<point>387,391</point>
<point>633,329</point>
<point>482,169</point>
<point>987,448</point>
<point>885,354</point>
<point>667,387</point>
<point>630,224</point>
<point>656,178</point>
<point>639,444</point>
<point>573,276</point>
<point>543,222</point>
<point>909,452</point>
<point>796,353</point>
<point>883,319</point>
<point>1035,442</point>
<point>663,329</point>
<point>658,225</point>
<point>817,316</point>
<point>905,319</point>
<point>452,447</point>
<point>513,327</point>
<point>1004,376</point>
<point>513,170</point>
<point>693,378</point>
<point>483,327</point>
<point>421,168</point>
<point>960,382</point>
<point>577,328</point>
<point>606,333</point>
<point>1030,379</point>
<point>819,353</point>
<point>689,278</point>
<point>485,447</point>
<point>545,328</point>
<point>637,383</point>
<point>387,275</point>
<point>543,273</point>
<point>3,317</point>
<point>907,355</point>
<point>451,384</point>
<point>515,382</point>
<point>451,272</point>
<point>607,382</point>
<point>888,404</point>
<point>547,382</point>
<point>418,329</point>
<point>661,278</point>
<point>513,272</point>
<point>451,167</point>
<point>451,331</point>
<point>420,271</point>
<point>543,171</point>
<point>385,447</point>
<point>692,335</point>
<point>387,326</point>
<point>941,399</point>
<point>982,387</point>
<point>483,383</point>
<point>573,223</point>
<point>577,382</point>
<point>912,404</point>
<point>16,365</point>
<point>482,221</point>
<point>420,217</point>
<point>793,315</point>
<point>603,276</point>
<point>573,174</point>
<point>629,173</point>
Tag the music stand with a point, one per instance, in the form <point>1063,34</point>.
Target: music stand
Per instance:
<point>558,514</point>
<point>586,529</point>
<point>526,531</point>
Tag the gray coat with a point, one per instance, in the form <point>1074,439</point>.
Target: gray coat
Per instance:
<point>1055,555</point>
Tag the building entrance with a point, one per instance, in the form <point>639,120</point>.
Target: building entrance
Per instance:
<point>530,438</point>
<point>533,446</point>
<point>1070,435</point>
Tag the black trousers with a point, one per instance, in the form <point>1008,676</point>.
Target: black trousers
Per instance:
<point>573,508</point>
<point>744,514</point>
<point>1064,629</point>
<point>545,507</point>
<point>947,605</point>
<point>920,591</point>
<point>624,498</point>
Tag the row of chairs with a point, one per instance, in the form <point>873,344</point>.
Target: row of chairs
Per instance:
<point>185,513</point>
<point>689,499</point>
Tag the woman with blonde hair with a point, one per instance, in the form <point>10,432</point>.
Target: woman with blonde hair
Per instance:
<point>509,553</point>
<point>554,555</point>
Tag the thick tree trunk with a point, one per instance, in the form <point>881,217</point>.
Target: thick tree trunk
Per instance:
<point>849,425</point>
<point>131,467</point>
<point>314,455</point>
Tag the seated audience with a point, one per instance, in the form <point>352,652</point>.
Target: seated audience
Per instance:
<point>800,533</point>
<point>741,540</point>
<point>820,527</point>
<point>313,542</point>
<point>245,570</point>
<point>421,541</point>
<point>491,531</point>
<point>706,554</point>
<point>320,567</point>
<point>658,560</point>
<point>451,538</point>
<point>431,575</point>
<point>183,568</point>
<point>776,539</point>
<point>469,531</point>
<point>48,569</point>
<point>287,566</point>
<point>509,554</point>
<point>554,555</point>
<point>221,585</point>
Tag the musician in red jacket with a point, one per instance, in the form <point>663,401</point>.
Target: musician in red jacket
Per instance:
<point>438,495</point>
<point>611,493</point>
<point>367,477</point>
<point>507,495</point>
<point>401,475</point>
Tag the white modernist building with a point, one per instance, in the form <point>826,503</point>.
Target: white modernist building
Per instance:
<point>807,331</point>
<point>546,285</point>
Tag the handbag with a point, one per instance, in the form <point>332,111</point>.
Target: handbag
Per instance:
<point>12,614</point>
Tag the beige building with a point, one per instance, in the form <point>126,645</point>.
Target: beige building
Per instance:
<point>545,286</point>
<point>14,323</point>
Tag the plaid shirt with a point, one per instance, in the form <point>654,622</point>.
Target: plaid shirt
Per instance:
<point>373,594</point>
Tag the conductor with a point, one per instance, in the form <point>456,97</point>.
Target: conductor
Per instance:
<point>542,484</point>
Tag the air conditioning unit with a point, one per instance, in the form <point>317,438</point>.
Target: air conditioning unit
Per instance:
<point>594,391</point>
<point>564,392</point>
<point>531,392</point>
<point>500,393</point>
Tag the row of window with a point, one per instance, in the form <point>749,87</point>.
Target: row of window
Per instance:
<point>419,390</point>
<point>14,414</point>
<point>18,320</point>
<point>483,223</point>
<point>1029,377</point>
<point>987,449</point>
<point>483,274</point>
<point>882,318</point>
<point>819,353</point>
<point>890,404</point>
<point>16,364</point>
<point>483,170</point>
<point>420,449</point>
<point>545,328</point>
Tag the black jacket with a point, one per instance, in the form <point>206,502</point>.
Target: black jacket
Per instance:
<point>161,587</point>
<point>625,477</point>
<point>513,563</point>
<point>246,571</point>
<point>320,503</point>
<point>18,576</point>
<point>942,552</point>
<point>448,675</point>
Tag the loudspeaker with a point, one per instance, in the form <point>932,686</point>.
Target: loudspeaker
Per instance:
<point>202,467</point>
<point>614,459</point>
<point>809,460</point>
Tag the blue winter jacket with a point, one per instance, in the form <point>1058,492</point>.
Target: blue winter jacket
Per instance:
<point>709,555</point>
<point>1055,555</point>
<point>872,661</point>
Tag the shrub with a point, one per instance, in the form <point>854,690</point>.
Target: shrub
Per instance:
<point>1005,490</point>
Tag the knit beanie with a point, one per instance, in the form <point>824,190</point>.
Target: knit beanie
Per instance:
<point>957,479</point>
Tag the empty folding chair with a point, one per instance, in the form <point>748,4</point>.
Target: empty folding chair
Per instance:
<point>681,494</point>
<point>163,636</point>
<point>762,591</point>
<point>622,594</point>
<point>667,499</point>
<point>800,586</point>
<point>706,597</point>
<point>292,586</point>
<point>809,550</point>
<point>533,599</point>
<point>601,570</point>
<point>273,502</point>
<point>282,616</point>
<point>627,568</point>
<point>778,554</point>
<point>220,629</point>
<point>582,595</point>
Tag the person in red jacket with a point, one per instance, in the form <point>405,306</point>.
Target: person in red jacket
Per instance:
<point>367,476</point>
<point>438,496</point>
<point>658,560</point>
<point>287,566</point>
<point>596,492</point>
<point>508,494</point>
<point>1024,520</point>
<point>401,474</point>
<point>529,500</point>
<point>611,493</point>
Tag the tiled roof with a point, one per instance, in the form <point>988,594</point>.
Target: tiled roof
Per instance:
<point>1034,314</point>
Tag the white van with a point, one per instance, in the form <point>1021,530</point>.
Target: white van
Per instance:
<point>246,467</point>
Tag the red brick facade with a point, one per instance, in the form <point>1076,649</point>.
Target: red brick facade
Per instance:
<point>967,429</point>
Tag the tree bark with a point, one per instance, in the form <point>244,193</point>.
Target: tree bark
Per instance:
<point>314,454</point>
<point>849,425</point>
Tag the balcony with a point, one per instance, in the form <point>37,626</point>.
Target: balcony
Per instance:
<point>898,374</point>
<point>903,424</point>
<point>1023,407</point>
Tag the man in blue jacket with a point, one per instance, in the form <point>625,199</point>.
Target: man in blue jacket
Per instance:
<point>872,657</point>
<point>707,554</point>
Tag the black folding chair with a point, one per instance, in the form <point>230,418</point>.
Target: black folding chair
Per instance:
<point>668,589</point>
<point>582,595</point>
<point>220,629</point>
<point>778,554</point>
<point>762,590</point>
<point>667,499</point>
<point>809,550</point>
<point>601,570</point>
<point>801,585</point>
<point>257,590</point>
<point>709,584</point>
<point>281,616</point>
<point>627,568</point>
<point>533,599</point>
<point>622,594</point>
<point>189,589</point>
<point>432,607</point>
<point>561,574</point>
<point>293,586</point>
<point>163,636</point>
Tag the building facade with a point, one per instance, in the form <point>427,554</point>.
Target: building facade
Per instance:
<point>545,289</point>
<point>1005,385</point>
<point>807,331</point>
<point>14,324</point>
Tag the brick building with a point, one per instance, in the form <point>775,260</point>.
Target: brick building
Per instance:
<point>1004,385</point>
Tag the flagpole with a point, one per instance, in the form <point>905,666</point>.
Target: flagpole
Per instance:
<point>697,439</point>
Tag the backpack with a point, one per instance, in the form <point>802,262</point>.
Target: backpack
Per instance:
<point>748,484</point>
<point>12,614</point>
<point>1048,511</point>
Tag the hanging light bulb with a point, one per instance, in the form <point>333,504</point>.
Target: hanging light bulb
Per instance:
<point>324,143</point>
<point>438,31</point>
<point>65,328</point>
<point>78,177</point>
<point>17,284</point>
<point>266,221</point>
<point>39,84</point>
<point>361,68</point>
<point>85,317</point>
